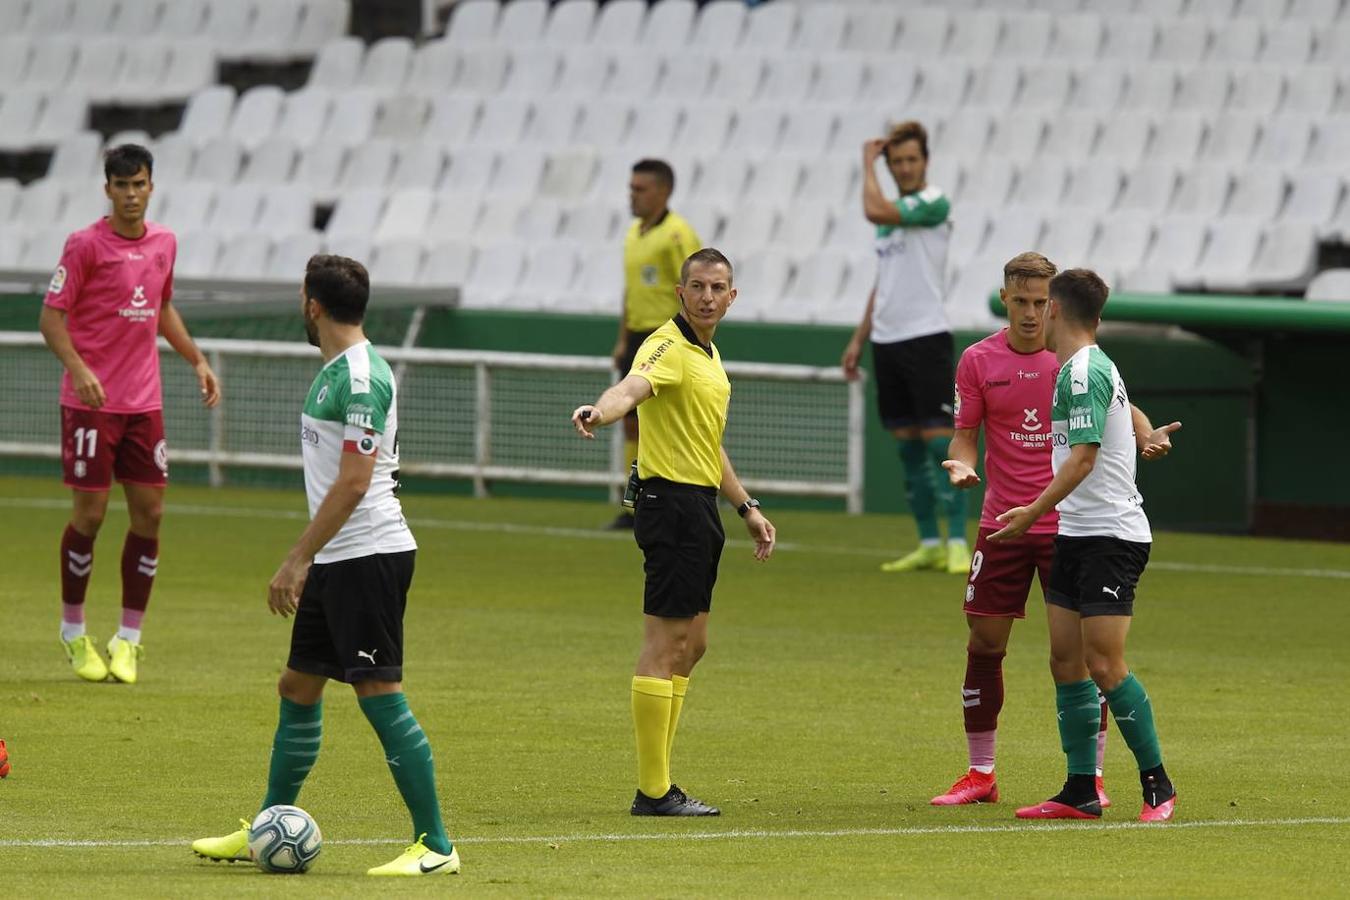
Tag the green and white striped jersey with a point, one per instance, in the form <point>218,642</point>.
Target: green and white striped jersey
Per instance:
<point>1092,407</point>
<point>352,408</point>
<point>912,269</point>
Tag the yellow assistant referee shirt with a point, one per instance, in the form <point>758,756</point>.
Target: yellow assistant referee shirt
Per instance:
<point>651,269</point>
<point>682,423</point>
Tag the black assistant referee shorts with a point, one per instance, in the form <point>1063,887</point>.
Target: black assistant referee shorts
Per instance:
<point>914,381</point>
<point>680,534</point>
<point>349,626</point>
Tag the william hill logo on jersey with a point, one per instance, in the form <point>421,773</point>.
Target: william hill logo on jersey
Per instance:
<point>358,416</point>
<point>1080,417</point>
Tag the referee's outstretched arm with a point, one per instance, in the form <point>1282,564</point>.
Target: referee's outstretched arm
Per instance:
<point>761,529</point>
<point>612,406</point>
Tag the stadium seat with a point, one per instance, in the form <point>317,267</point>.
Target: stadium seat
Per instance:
<point>318,169</point>
<point>1076,37</point>
<point>1225,264</point>
<point>619,23</point>
<point>964,135</point>
<point>737,81</point>
<point>570,23</point>
<point>761,283</point>
<point>684,75</point>
<point>1159,9</point>
<point>357,213</point>
<point>197,252</point>
<point>1203,191</point>
<point>1071,136</point>
<point>1150,88</point>
<point>594,222</point>
<point>994,86</point>
<point>496,271</point>
<point>1183,41</point>
<point>83,207</point>
<point>1287,258</point>
<point>1330,284</point>
<point>447,263</point>
<point>386,65</point>
<point>218,161</point>
<point>706,125</point>
<point>228,23</point>
<point>554,123</point>
<point>840,80</point>
<point>706,216</point>
<point>418,165</point>
<point>356,246</point>
<point>750,225</point>
<point>290,254</point>
<point>1128,38</point>
<point>856,124</point>
<point>803,227</point>
<point>1285,140</point>
<point>598,287</point>
<point>720,25</point>
<point>668,25</point>
<point>396,262</point>
<point>1018,136</point>
<point>776,179</point>
<point>975,36</point>
<point>923,32</point>
<point>190,68</point>
<point>367,166</point>
<point>1314,196</point>
<point>42,249</point>
<point>51,60</point>
<point>306,114</point>
<point>1318,11</point>
<point>481,71</point>
<point>786,79</point>
<point>183,18</point>
<point>1288,43</point>
<point>286,209</point>
<point>256,116</point>
<point>1215,10</point>
<point>1012,233</point>
<point>1331,148</point>
<point>942,84</point>
<point>1332,42</point>
<point>722,177</point>
<point>540,221</point>
<point>403,117</point>
<point>14,50</point>
<point>821,28</point>
<point>406,215</point>
<point>518,173</point>
<point>534,71</point>
<point>970,223</point>
<point>245,257</point>
<point>807,130</point>
<point>455,216</point>
<point>758,129</point>
<point>97,69</point>
<point>338,65</point>
<point>1025,36</point>
<point>1175,250</point>
<point>47,18</point>
<point>90,18</point>
<point>351,119</point>
<point>1262,10</point>
<point>818,293</point>
<point>450,120</point>
<point>549,275</point>
<point>502,122</point>
<point>1067,240</point>
<point>522,22</point>
<point>652,128</point>
<point>584,74</point>
<point>500,218</point>
<point>236,209</point>
<point>1236,41</point>
<point>1203,89</point>
<point>872,29</point>
<point>1045,87</point>
<point>1122,241</point>
<point>1258,89</point>
<point>12,15</point>
<point>63,114</point>
<point>770,27</point>
<point>968,293</point>
<point>1258,193</point>
<point>989,182</point>
<point>1040,185</point>
<point>273,32</point>
<point>1177,139</point>
<point>187,205</point>
<point>1231,139</point>
<point>1310,90</point>
<point>635,74</point>
<point>207,114</point>
<point>76,159</point>
<point>1097,87</point>
<point>1093,188</point>
<point>473,22</point>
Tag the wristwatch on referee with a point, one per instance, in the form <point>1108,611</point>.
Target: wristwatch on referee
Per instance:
<point>745,507</point>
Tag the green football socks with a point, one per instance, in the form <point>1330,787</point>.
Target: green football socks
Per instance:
<point>1134,717</point>
<point>919,489</point>
<point>953,501</point>
<point>1080,717</point>
<point>407,750</point>
<point>295,748</point>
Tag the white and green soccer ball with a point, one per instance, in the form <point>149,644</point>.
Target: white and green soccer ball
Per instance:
<point>284,840</point>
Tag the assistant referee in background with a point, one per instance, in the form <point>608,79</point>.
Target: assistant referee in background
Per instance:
<point>656,245</point>
<point>681,393</point>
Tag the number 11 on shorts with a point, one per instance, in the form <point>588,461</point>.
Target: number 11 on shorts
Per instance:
<point>86,442</point>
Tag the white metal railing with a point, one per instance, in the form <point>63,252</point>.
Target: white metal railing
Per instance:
<point>478,415</point>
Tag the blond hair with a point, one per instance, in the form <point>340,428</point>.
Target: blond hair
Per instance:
<point>1028,265</point>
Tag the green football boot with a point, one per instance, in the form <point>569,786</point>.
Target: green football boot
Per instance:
<point>122,658</point>
<point>932,558</point>
<point>233,847</point>
<point>958,558</point>
<point>84,658</point>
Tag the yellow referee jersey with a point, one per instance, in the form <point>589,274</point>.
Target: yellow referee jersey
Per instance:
<point>683,421</point>
<point>651,269</point>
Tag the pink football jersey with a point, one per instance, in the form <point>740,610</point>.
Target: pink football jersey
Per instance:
<point>112,289</point>
<point>1010,394</point>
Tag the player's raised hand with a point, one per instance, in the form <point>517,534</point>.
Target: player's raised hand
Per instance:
<point>1015,521</point>
<point>209,384</point>
<point>872,148</point>
<point>762,533</point>
<point>585,419</point>
<point>88,388</point>
<point>1158,443</point>
<point>960,474</point>
<point>283,594</point>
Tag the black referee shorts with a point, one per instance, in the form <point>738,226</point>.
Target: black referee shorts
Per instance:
<point>680,534</point>
<point>914,381</point>
<point>1096,576</point>
<point>632,343</point>
<point>349,626</point>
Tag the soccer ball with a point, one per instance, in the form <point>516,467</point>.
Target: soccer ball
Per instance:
<point>284,839</point>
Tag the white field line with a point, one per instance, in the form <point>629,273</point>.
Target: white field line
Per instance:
<point>243,512</point>
<point>753,834</point>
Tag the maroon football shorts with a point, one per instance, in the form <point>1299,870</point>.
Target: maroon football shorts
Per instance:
<point>1001,572</point>
<point>98,446</point>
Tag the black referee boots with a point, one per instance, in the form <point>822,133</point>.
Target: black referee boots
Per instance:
<point>675,803</point>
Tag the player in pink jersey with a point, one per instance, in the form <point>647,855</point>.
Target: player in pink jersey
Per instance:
<point>1005,384</point>
<point>107,304</point>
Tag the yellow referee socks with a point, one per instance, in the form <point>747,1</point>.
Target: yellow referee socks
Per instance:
<point>679,686</point>
<point>651,723</point>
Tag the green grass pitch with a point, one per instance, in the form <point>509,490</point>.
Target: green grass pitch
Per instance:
<point>823,718</point>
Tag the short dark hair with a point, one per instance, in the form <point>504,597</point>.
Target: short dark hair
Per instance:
<point>659,168</point>
<point>126,160</point>
<point>908,130</point>
<point>708,256</point>
<point>1081,294</point>
<point>340,285</point>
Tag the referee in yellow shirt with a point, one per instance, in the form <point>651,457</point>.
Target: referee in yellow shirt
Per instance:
<point>653,251</point>
<point>681,393</point>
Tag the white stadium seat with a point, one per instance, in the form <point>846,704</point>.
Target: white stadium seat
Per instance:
<point>571,22</point>
<point>287,209</point>
<point>1330,284</point>
<point>447,263</point>
<point>1121,242</point>
<point>236,210</point>
<point>357,213</point>
<point>473,21</point>
<point>386,65</point>
<point>1314,196</point>
<point>290,254</point>
<point>619,23</point>
<point>669,24</point>
<point>1227,260</point>
<point>1287,258</point>
<point>522,22</point>
<point>406,215</point>
<point>770,27</point>
<point>821,28</point>
<point>244,257</point>
<point>396,262</point>
<point>256,116</point>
